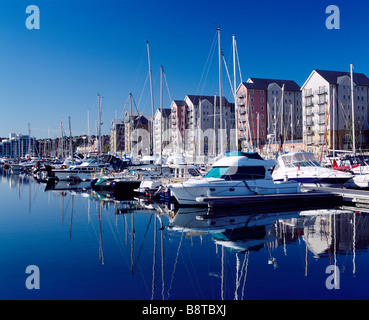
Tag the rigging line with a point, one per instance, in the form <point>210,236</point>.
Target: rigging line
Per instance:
<point>207,64</point>
<point>175,265</point>
<point>229,78</point>
<point>143,56</point>
<point>147,77</point>
<point>166,83</point>
<point>144,237</point>
<point>238,60</point>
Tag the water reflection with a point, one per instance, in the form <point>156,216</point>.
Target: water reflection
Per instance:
<point>149,250</point>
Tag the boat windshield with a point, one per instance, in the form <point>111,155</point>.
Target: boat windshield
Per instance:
<point>237,173</point>
<point>300,160</point>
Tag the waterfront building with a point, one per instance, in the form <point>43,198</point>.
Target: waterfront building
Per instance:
<point>178,116</point>
<point>162,128</point>
<point>17,146</point>
<point>268,107</point>
<point>117,137</point>
<point>327,110</point>
<point>196,126</point>
<point>137,140</point>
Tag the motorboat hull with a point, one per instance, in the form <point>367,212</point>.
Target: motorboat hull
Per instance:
<point>187,192</point>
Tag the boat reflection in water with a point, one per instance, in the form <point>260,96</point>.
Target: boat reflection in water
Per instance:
<point>95,246</point>
<point>328,235</point>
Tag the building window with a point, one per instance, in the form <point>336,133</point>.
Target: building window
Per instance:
<point>262,99</point>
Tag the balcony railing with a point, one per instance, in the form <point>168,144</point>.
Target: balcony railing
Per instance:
<point>309,93</point>
<point>322,90</point>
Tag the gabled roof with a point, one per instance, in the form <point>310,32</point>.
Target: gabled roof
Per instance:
<point>196,100</point>
<point>179,103</point>
<point>262,84</point>
<point>360,79</point>
<point>166,112</point>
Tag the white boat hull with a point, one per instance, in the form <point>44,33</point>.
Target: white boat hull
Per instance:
<point>187,192</point>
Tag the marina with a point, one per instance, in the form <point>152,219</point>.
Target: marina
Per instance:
<point>89,245</point>
<point>235,174</point>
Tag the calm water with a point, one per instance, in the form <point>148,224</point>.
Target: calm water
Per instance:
<point>89,248</point>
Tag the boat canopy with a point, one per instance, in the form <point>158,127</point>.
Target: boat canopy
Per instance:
<point>250,155</point>
<point>299,159</point>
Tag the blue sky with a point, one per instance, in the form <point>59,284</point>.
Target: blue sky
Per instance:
<point>85,47</point>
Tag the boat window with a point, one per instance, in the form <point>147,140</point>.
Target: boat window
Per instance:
<point>216,172</point>
<point>194,172</point>
<point>237,173</point>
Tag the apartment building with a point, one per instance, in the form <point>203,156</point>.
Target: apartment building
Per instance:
<point>196,125</point>
<point>17,146</point>
<point>268,107</point>
<point>117,136</point>
<point>162,130</point>
<point>327,110</point>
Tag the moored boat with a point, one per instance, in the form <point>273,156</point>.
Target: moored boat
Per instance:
<point>302,167</point>
<point>236,174</point>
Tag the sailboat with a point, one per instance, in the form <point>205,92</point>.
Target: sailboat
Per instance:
<point>355,164</point>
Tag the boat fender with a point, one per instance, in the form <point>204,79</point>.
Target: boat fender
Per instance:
<point>63,166</point>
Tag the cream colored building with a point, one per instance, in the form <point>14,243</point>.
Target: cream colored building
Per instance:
<point>327,111</point>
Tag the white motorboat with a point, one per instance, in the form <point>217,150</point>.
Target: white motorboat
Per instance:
<point>84,171</point>
<point>302,167</point>
<point>236,174</point>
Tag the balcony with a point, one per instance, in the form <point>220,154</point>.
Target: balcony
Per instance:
<point>309,122</point>
<point>322,101</point>
<point>309,113</point>
<point>321,111</point>
<point>309,103</point>
<point>309,93</point>
<point>322,90</point>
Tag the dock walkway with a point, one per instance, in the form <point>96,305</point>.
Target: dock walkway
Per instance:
<point>310,197</point>
<point>353,197</point>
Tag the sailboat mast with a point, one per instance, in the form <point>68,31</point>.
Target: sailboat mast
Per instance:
<point>333,121</point>
<point>70,140</point>
<point>353,112</point>
<point>161,113</point>
<point>214,125</point>
<point>152,99</point>
<point>130,125</point>
<point>235,91</point>
<point>88,129</point>
<point>99,102</point>
<point>220,93</point>
<point>29,140</point>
